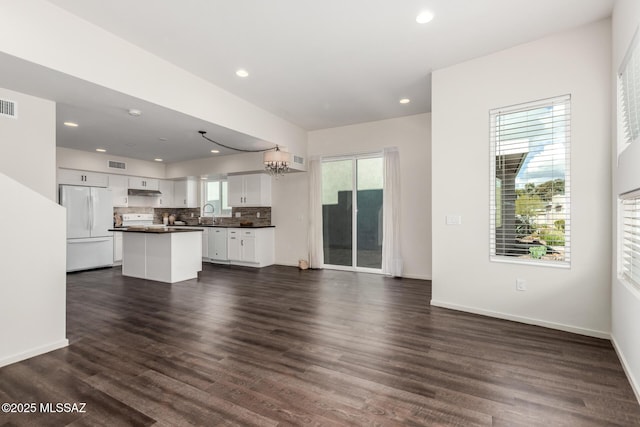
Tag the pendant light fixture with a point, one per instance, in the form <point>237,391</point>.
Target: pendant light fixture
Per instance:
<point>276,162</point>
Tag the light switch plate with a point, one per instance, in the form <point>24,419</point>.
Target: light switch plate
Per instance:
<point>454,220</point>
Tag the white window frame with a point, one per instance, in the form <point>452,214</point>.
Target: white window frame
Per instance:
<point>493,215</point>
<point>205,183</point>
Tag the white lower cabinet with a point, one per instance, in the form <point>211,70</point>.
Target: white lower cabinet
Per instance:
<point>117,248</point>
<point>251,247</point>
<point>205,243</point>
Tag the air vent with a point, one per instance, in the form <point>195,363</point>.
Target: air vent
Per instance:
<point>298,160</point>
<point>8,109</point>
<point>117,165</point>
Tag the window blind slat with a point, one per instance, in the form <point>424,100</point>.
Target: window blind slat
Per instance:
<point>630,239</point>
<point>629,93</point>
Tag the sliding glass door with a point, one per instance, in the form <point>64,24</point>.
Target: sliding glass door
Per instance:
<point>352,212</point>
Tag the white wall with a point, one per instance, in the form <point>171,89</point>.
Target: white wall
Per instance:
<point>37,31</point>
<point>577,62</point>
<point>98,162</point>
<point>625,304</point>
<point>411,134</point>
<point>290,201</point>
<point>33,255</point>
<point>28,143</point>
<point>247,162</point>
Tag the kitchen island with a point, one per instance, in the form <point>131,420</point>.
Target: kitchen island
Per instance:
<point>163,254</point>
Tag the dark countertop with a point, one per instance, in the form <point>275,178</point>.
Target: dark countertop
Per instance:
<point>203,226</point>
<point>230,226</point>
<point>157,230</point>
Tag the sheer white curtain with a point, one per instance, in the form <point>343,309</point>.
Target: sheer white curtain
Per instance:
<point>391,256</point>
<point>316,246</point>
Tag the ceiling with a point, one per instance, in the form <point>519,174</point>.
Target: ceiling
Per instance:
<point>317,64</point>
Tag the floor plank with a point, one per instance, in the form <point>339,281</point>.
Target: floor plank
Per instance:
<point>279,346</point>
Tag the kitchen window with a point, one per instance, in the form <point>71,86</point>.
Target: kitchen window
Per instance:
<point>216,196</point>
<point>530,182</point>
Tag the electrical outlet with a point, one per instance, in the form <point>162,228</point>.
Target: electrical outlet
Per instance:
<point>257,214</point>
<point>237,214</point>
<point>521,285</point>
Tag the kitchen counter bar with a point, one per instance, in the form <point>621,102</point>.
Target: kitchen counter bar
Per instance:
<point>229,226</point>
<point>159,230</point>
<point>165,255</point>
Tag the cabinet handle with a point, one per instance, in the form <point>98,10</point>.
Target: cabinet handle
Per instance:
<point>241,242</point>
<point>126,200</point>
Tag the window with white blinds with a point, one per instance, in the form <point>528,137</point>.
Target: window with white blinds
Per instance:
<point>530,182</point>
<point>630,241</point>
<point>629,94</point>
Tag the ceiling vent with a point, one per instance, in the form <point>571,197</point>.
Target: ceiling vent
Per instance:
<point>117,165</point>
<point>8,109</point>
<point>298,160</point>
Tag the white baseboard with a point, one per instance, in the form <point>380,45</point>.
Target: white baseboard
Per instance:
<point>416,276</point>
<point>635,386</point>
<point>33,352</point>
<point>522,319</point>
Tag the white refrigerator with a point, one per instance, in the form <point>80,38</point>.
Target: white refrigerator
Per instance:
<point>89,217</point>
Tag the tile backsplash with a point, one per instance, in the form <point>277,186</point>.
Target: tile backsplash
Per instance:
<point>247,214</point>
<point>190,215</point>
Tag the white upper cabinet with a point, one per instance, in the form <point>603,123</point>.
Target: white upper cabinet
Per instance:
<point>166,199</point>
<point>119,184</point>
<point>185,193</point>
<point>249,190</point>
<point>143,183</point>
<point>76,177</point>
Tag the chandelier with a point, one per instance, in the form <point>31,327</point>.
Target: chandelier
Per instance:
<point>276,161</point>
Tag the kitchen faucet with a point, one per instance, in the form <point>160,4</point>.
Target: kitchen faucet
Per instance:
<point>204,211</point>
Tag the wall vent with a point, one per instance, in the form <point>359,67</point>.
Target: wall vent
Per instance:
<point>117,165</point>
<point>8,109</point>
<point>298,160</point>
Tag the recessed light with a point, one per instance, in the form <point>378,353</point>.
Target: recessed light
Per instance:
<point>101,150</point>
<point>71,124</point>
<point>424,17</point>
<point>215,151</point>
<point>158,160</point>
<point>134,112</point>
<point>242,73</point>
<point>162,139</point>
<point>405,101</point>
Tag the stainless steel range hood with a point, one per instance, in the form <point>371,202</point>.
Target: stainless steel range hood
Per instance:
<point>147,193</point>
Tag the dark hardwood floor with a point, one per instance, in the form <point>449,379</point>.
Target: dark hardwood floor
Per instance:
<point>279,346</point>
